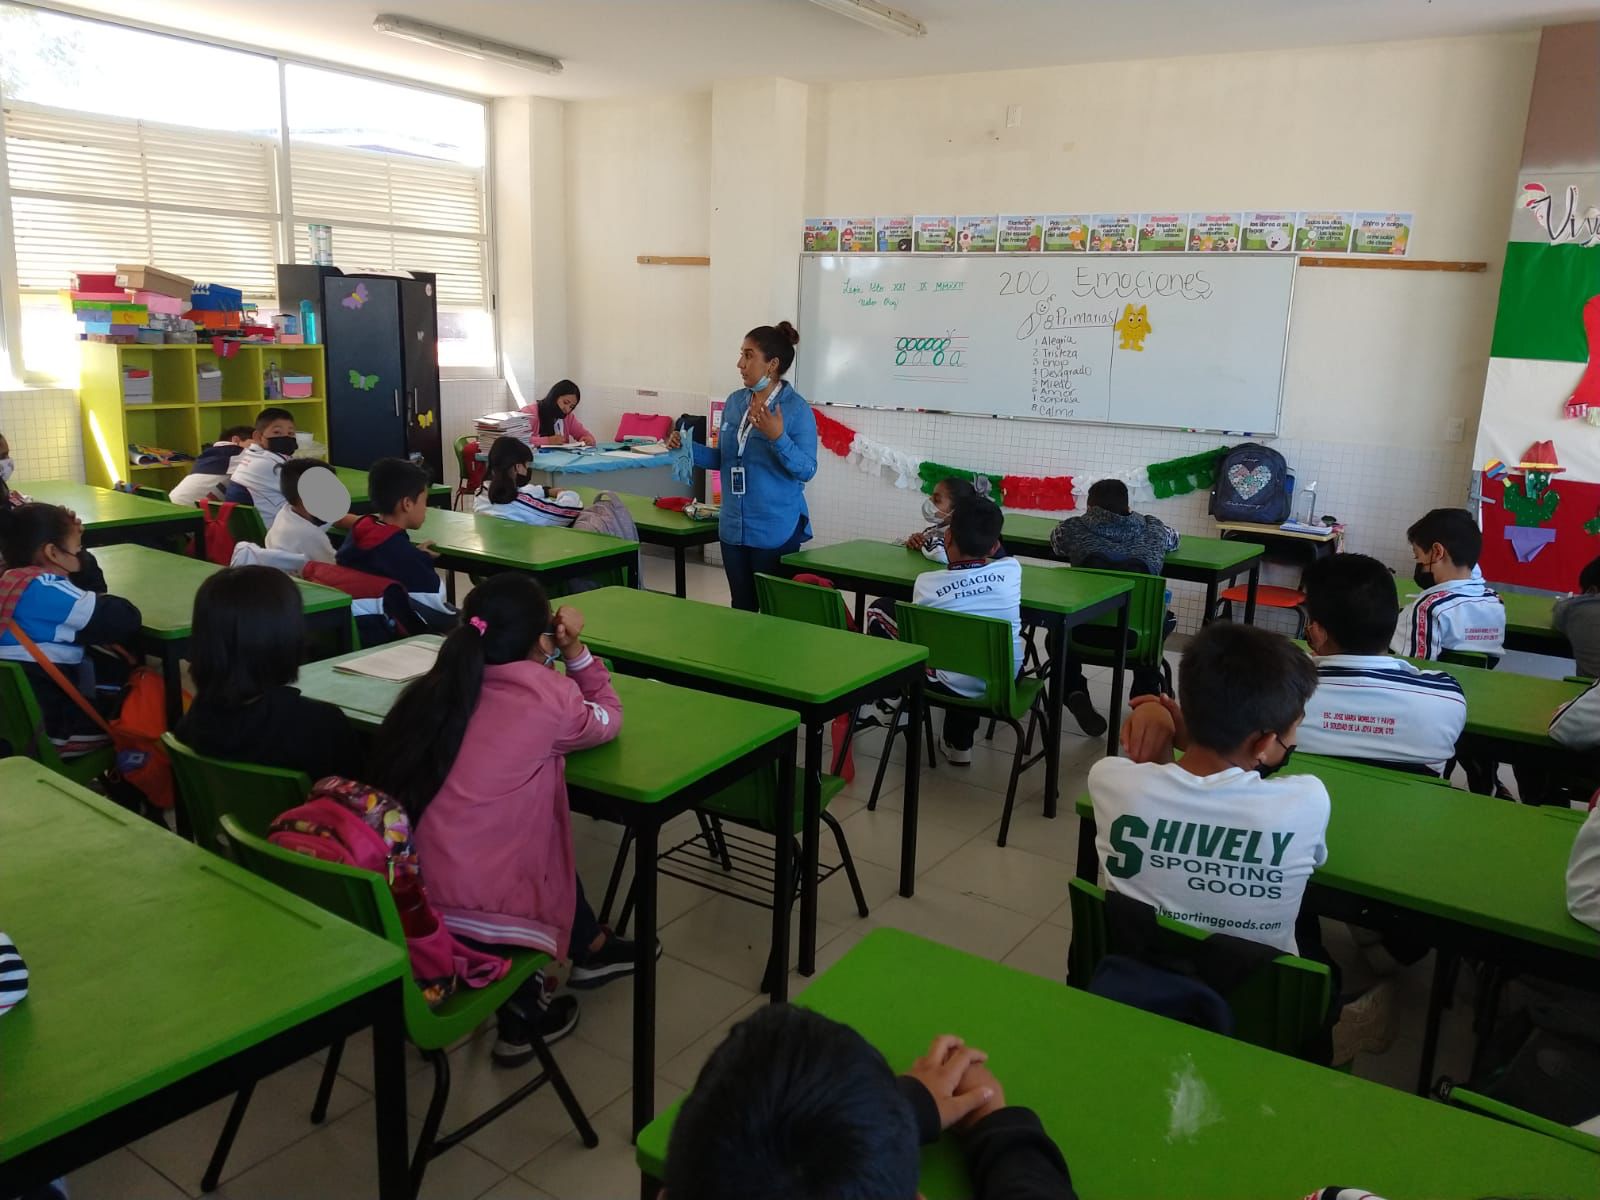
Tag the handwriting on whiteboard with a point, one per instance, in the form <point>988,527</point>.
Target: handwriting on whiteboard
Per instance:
<point>1134,284</point>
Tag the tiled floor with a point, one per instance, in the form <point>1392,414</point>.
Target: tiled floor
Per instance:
<point>1005,904</point>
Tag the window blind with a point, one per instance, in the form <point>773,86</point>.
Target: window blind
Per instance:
<point>89,191</point>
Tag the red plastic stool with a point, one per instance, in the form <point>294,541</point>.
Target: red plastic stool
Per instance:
<point>1267,596</point>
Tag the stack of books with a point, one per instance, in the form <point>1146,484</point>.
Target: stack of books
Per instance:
<point>492,426</point>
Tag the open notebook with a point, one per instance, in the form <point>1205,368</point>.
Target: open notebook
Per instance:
<point>397,663</point>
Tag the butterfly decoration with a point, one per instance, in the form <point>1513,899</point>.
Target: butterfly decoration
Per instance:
<point>356,298</point>
<point>363,383</point>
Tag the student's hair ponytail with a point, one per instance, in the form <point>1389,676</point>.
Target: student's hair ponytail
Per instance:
<point>27,528</point>
<point>505,456</point>
<point>501,622</point>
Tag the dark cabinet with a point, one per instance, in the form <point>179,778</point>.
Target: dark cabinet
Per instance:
<point>382,345</point>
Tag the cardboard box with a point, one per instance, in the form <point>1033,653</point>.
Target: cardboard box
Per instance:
<point>214,297</point>
<point>174,306</point>
<point>297,387</point>
<point>94,281</point>
<point>153,279</point>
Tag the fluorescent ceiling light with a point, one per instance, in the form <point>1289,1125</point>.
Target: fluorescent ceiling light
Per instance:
<point>469,44</point>
<point>879,16</point>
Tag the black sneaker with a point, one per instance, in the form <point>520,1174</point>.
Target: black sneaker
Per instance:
<point>1082,710</point>
<point>514,1044</point>
<point>614,960</point>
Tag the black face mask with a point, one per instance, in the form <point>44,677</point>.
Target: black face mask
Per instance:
<point>287,444</point>
<point>1422,576</point>
<point>1267,770</point>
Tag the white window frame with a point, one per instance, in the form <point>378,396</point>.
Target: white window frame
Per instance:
<point>10,294</point>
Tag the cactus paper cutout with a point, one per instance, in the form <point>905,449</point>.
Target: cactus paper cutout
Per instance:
<point>1532,502</point>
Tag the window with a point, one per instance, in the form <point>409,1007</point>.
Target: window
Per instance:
<point>111,158</point>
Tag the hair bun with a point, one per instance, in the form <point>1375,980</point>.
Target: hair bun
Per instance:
<point>981,485</point>
<point>788,331</point>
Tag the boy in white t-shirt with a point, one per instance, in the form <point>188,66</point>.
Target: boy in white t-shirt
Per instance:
<point>1457,610</point>
<point>294,529</point>
<point>1369,705</point>
<point>1211,840</point>
<point>254,479</point>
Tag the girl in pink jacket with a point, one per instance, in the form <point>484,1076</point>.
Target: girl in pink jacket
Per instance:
<point>474,751</point>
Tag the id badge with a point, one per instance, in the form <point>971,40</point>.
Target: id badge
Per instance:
<point>736,482</point>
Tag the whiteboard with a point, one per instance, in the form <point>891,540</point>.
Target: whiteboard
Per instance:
<point>1053,338</point>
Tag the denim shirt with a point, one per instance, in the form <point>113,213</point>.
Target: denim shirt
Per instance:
<point>775,472</point>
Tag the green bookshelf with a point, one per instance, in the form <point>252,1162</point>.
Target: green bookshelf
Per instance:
<point>174,418</point>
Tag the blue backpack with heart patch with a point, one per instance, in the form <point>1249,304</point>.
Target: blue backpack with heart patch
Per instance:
<point>1252,484</point>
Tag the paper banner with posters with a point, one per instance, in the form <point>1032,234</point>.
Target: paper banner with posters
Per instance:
<point>1066,233</point>
<point>1113,233</point>
<point>1381,233</point>
<point>1213,233</point>
<point>1163,233</point>
<point>1322,232</point>
<point>934,235</point>
<point>822,235</point>
<point>1267,231</point>
<point>856,235</point>
<point>1021,233</point>
<point>976,235</point>
<point>894,235</point>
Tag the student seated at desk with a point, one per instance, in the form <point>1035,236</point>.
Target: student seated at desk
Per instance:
<point>378,543</point>
<point>936,510</point>
<point>213,468</point>
<point>1578,617</point>
<point>55,593</point>
<point>1368,705</point>
<point>1457,610</point>
<point>244,653</point>
<point>971,583</point>
<point>294,530</point>
<point>255,473</point>
<point>555,417</point>
<point>1583,872</point>
<point>794,1106</point>
<point>509,494</point>
<point>474,750</point>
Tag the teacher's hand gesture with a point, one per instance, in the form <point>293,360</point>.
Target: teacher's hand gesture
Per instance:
<point>767,419</point>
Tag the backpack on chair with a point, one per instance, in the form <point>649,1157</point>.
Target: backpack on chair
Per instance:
<point>1252,484</point>
<point>219,540</point>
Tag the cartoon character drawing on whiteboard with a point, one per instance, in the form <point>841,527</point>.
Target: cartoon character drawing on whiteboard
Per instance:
<point>1134,326</point>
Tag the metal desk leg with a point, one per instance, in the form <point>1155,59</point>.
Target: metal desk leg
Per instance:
<point>861,610</point>
<point>1114,725</point>
<point>680,572</point>
<point>1055,697</point>
<point>1211,600</point>
<point>450,587</point>
<point>1445,963</point>
<point>810,836</point>
<point>644,974</point>
<point>910,794</point>
<point>783,818</point>
<point>1250,595</point>
<point>389,1085</point>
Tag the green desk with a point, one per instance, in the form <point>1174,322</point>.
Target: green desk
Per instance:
<point>1211,561</point>
<point>1471,874</point>
<point>163,979</point>
<point>467,542</point>
<point>659,766</point>
<point>1102,1075</point>
<point>1509,712</point>
<point>162,587</point>
<point>1056,597</point>
<point>355,482</point>
<point>818,673</point>
<point>110,517</point>
<point>1530,619</point>
<point>662,527</point>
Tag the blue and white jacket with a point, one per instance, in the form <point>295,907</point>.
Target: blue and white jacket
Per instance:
<point>63,618</point>
<point>776,472</point>
<point>1383,709</point>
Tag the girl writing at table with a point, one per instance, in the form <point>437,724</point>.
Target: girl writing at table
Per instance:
<point>475,752</point>
<point>54,607</point>
<point>555,417</point>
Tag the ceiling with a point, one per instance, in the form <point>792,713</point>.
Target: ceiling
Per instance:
<point>625,47</point>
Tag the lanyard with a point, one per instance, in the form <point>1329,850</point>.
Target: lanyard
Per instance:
<point>744,422</point>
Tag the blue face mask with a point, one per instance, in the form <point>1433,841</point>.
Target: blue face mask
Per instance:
<point>759,385</point>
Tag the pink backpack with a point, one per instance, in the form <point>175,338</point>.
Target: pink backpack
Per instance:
<point>347,822</point>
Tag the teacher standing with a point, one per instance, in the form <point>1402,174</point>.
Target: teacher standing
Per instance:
<point>767,451</point>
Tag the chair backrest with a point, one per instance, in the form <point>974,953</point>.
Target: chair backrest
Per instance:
<point>21,722</point>
<point>211,788</point>
<point>151,493</point>
<point>1469,658</point>
<point>1280,1007</point>
<point>801,602</point>
<point>1147,615</point>
<point>246,525</point>
<point>965,644</point>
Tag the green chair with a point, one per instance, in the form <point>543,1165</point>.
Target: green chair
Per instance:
<point>209,788</point>
<point>246,525</point>
<point>363,898</point>
<point>1487,1106</point>
<point>152,493</point>
<point>1469,658</point>
<point>22,728</point>
<point>967,644</point>
<point>469,472</point>
<point>1281,1007</point>
<point>1147,620</point>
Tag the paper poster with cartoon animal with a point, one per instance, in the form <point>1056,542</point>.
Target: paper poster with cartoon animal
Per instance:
<point>1322,232</point>
<point>822,235</point>
<point>976,235</point>
<point>1134,326</point>
<point>935,235</point>
<point>1113,233</point>
<point>1163,233</point>
<point>1066,233</point>
<point>1213,233</point>
<point>1381,233</point>
<point>1272,232</point>
<point>1021,234</point>
<point>894,235</point>
<point>855,235</point>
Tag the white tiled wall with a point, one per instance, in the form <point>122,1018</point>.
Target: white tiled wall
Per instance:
<point>461,401</point>
<point>45,435</point>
